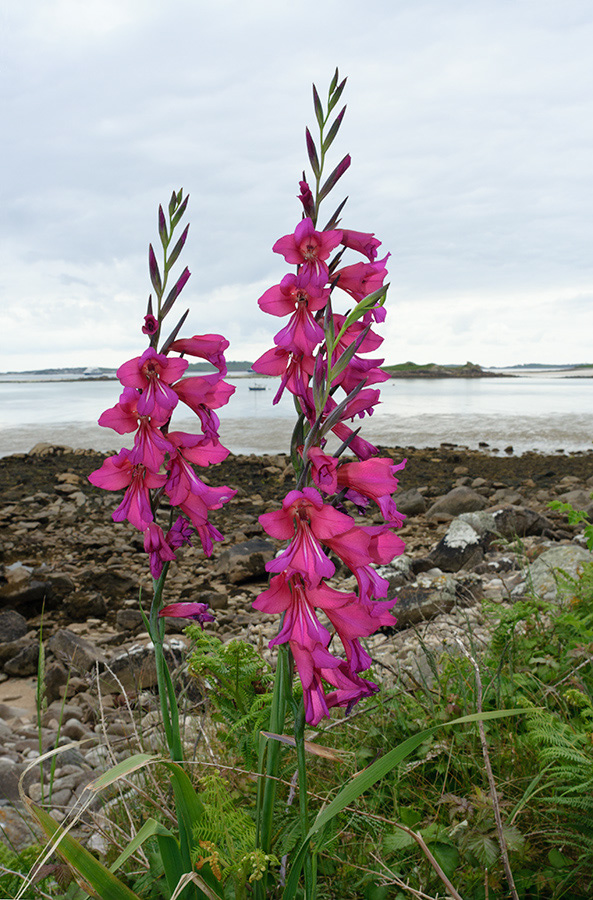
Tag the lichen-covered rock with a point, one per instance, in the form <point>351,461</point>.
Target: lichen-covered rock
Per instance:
<point>461,547</point>
<point>546,572</point>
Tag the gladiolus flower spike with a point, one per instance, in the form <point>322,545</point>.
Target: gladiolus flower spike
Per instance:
<point>161,462</point>
<point>320,353</point>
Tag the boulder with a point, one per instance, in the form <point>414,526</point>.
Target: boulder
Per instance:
<point>21,591</point>
<point>431,594</point>
<point>245,561</point>
<point>460,548</point>
<point>135,669</point>
<point>81,606</point>
<point>12,625</point>
<point>112,582</point>
<point>508,522</point>
<point>460,500</point>
<point>78,653</point>
<point>410,503</point>
<point>24,662</point>
<point>546,572</point>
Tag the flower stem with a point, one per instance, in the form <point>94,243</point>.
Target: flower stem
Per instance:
<point>266,795</point>
<point>299,736</point>
<point>167,698</point>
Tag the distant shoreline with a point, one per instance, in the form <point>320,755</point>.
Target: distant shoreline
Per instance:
<point>243,370</point>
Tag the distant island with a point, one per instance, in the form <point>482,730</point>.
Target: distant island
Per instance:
<point>433,370</point>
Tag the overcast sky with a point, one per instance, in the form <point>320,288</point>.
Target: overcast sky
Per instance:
<point>469,122</point>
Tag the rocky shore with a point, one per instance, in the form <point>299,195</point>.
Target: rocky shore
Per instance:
<point>70,580</point>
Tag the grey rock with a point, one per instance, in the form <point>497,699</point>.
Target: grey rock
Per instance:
<point>45,449</point>
<point>9,781</point>
<point>135,669</point>
<point>25,662</point>
<point>129,619</point>
<point>56,677</point>
<point>111,582</point>
<point>508,522</point>
<point>12,625</point>
<point>27,596</point>
<point>428,596</point>
<point>16,829</point>
<point>245,561</point>
<point>75,651</point>
<point>520,521</point>
<point>81,606</point>
<point>546,571</point>
<point>74,729</point>
<point>61,583</point>
<point>398,572</point>
<point>131,671</point>
<point>460,500</point>
<point>410,503</point>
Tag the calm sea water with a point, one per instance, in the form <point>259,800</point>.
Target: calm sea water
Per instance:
<point>537,411</point>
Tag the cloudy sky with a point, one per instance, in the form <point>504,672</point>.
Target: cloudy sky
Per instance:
<point>469,122</point>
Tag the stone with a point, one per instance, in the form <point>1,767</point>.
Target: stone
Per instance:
<point>27,595</point>
<point>460,500</point>
<point>129,619</point>
<point>12,625</point>
<point>79,654</point>
<point>410,503</point>
<point>546,571</point>
<point>131,671</point>
<point>578,499</point>
<point>112,582</point>
<point>61,583</point>
<point>74,729</point>
<point>81,606</point>
<point>428,596</point>
<point>245,561</point>
<point>9,781</point>
<point>16,830</point>
<point>509,522</point>
<point>461,547</point>
<point>25,662</point>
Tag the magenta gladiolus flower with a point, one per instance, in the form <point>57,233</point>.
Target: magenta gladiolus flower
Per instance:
<point>205,346</point>
<point>323,470</point>
<point>306,197</point>
<point>362,279</point>
<point>118,472</point>
<point>158,549</point>
<point>201,391</point>
<point>293,292</point>
<point>151,325</point>
<point>309,521</point>
<point>375,479</point>
<point>153,373</point>
<point>295,369</point>
<point>309,248</point>
<point>361,241</point>
<point>199,612</point>
<point>179,533</point>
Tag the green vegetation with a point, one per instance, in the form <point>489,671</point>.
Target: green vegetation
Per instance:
<point>437,807</point>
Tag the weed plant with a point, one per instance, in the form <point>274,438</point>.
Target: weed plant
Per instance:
<point>539,659</point>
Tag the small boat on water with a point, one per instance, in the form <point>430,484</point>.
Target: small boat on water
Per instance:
<point>256,387</point>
